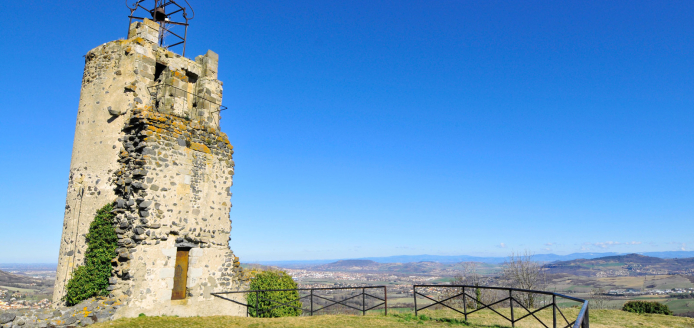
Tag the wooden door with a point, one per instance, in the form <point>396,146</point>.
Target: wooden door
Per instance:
<point>180,275</point>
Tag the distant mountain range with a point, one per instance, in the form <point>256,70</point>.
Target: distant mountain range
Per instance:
<point>547,258</point>
<point>622,265</point>
<point>466,258</point>
<point>603,266</point>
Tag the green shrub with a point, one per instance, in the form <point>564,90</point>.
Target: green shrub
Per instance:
<point>646,307</point>
<point>91,279</point>
<point>268,303</point>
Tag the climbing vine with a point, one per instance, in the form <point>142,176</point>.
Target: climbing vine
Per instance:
<point>91,279</point>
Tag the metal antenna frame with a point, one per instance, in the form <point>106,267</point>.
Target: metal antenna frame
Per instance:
<point>162,23</point>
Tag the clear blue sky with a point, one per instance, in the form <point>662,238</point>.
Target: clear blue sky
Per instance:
<point>375,128</point>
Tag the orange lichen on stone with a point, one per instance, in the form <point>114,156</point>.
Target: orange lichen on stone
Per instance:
<point>180,75</point>
<point>200,147</point>
<point>160,119</point>
<point>153,128</point>
<point>180,126</point>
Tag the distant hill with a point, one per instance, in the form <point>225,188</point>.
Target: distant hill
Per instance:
<point>466,258</point>
<point>21,281</point>
<point>423,268</point>
<point>352,264</point>
<point>28,266</point>
<point>622,265</point>
<point>359,266</point>
<point>499,260</point>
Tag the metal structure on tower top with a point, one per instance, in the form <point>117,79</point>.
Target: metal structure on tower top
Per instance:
<point>169,15</point>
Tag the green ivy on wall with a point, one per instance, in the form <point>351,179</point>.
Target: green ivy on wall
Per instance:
<point>91,279</point>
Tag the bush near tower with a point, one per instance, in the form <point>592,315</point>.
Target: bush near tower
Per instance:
<point>269,303</point>
<point>642,307</point>
<point>91,279</point>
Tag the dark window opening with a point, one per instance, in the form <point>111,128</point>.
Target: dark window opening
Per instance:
<point>158,69</point>
<point>192,77</point>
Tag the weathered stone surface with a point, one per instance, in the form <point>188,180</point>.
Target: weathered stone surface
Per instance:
<point>114,111</point>
<point>87,321</point>
<point>44,316</point>
<point>70,321</point>
<point>6,317</point>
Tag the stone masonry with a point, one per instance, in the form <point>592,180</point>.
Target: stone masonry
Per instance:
<point>147,138</point>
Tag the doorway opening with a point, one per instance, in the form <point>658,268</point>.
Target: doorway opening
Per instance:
<point>180,274</point>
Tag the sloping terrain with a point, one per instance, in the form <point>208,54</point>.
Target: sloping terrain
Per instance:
<point>21,281</point>
<point>623,265</point>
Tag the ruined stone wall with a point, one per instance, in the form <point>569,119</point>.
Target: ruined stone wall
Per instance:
<point>174,191</point>
<point>147,138</point>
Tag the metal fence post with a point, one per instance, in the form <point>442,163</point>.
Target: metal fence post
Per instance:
<point>586,318</point>
<point>510,300</point>
<point>414,292</point>
<point>385,297</point>
<point>554,311</point>
<point>256,304</point>
<point>464,304</point>
<point>311,301</point>
<point>363,301</point>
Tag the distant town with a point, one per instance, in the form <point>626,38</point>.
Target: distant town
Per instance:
<point>14,300</point>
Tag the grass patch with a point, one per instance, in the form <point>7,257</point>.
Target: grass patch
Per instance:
<point>21,290</point>
<point>437,318</point>
<point>422,318</point>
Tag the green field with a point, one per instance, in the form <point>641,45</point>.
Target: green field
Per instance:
<point>440,318</point>
<point>680,306</point>
<point>21,290</point>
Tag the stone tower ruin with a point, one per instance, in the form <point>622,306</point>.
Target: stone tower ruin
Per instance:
<point>147,139</point>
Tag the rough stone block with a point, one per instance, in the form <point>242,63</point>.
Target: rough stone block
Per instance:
<point>167,273</point>
<point>196,252</point>
<point>212,55</point>
<point>6,317</point>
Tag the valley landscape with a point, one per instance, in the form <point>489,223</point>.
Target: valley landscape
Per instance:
<point>617,278</point>
<point>607,281</point>
<point>26,285</point>
<point>390,164</point>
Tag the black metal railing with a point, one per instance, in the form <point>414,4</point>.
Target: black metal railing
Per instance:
<point>527,301</point>
<point>323,302</point>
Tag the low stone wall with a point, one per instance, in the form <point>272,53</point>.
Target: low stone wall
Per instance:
<point>80,315</point>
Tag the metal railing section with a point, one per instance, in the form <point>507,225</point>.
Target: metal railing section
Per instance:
<point>154,93</point>
<point>581,320</point>
<point>310,297</point>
